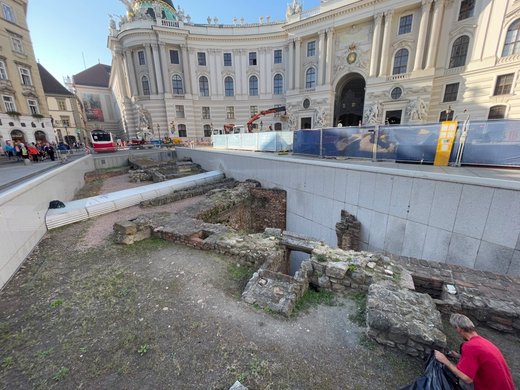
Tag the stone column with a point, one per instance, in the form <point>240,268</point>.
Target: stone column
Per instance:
<point>186,69</point>
<point>123,74</point>
<point>130,70</point>
<point>151,62</point>
<point>421,40</point>
<point>435,36</point>
<point>214,79</point>
<point>386,41</point>
<point>290,67</point>
<point>376,40</point>
<point>217,58</point>
<point>330,55</point>
<point>166,80</point>
<point>156,70</point>
<point>297,63</point>
<point>321,54</point>
<point>193,69</point>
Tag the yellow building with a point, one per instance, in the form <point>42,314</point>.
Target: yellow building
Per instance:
<point>24,115</point>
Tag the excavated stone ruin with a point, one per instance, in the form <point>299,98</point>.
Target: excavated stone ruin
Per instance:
<point>246,223</point>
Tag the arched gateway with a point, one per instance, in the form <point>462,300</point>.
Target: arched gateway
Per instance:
<point>349,100</point>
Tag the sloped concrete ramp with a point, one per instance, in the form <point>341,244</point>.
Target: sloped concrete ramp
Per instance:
<point>82,209</point>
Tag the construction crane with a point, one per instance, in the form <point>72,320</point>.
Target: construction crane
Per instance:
<point>273,110</point>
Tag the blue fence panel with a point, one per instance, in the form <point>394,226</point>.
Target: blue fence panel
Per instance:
<point>417,143</point>
<point>348,142</point>
<point>492,143</point>
<point>307,142</point>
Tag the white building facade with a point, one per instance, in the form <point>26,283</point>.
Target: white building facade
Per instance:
<point>344,62</point>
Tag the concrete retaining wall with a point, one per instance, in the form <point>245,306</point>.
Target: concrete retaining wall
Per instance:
<point>23,209</point>
<point>468,221</point>
<point>120,159</point>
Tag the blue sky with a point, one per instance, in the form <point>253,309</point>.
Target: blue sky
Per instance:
<point>71,35</point>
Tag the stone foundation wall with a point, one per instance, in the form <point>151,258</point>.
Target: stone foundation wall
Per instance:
<point>348,230</point>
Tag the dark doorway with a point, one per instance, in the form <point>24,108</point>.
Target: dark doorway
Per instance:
<point>18,136</point>
<point>40,136</point>
<point>350,100</point>
<point>306,123</point>
<point>393,117</point>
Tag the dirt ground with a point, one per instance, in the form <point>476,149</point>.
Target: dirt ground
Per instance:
<point>86,313</point>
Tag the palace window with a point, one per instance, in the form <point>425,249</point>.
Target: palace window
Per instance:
<point>141,58</point>
<point>182,131</point>
<point>311,49</point>
<point>504,84</point>
<point>174,57</point>
<point>146,85</point>
<point>310,78</point>
<point>459,52</point>
<point>33,106</point>
<point>8,12</point>
<point>201,58</point>
<point>25,75</point>
<point>400,61</point>
<point>450,92</point>
<point>178,88</point>
<point>206,113</point>
<point>278,84</point>
<point>207,130</point>
<point>252,58</point>
<point>405,24</point>
<point>229,88</point>
<point>467,8</point>
<point>230,112</point>
<point>3,71</point>
<point>278,56</point>
<point>227,59</point>
<point>497,112</point>
<point>253,110</point>
<point>253,86</point>
<point>512,44</point>
<point>62,106</point>
<point>179,111</point>
<point>9,103</point>
<point>203,86</point>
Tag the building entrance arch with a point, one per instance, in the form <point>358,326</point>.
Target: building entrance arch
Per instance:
<point>349,100</point>
<point>40,136</point>
<point>18,136</point>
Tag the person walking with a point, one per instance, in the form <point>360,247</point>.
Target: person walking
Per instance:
<point>34,153</point>
<point>481,362</point>
<point>9,150</point>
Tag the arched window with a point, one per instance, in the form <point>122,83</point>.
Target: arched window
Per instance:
<point>253,86</point>
<point>203,86</point>
<point>512,44</point>
<point>229,86</point>
<point>310,78</point>
<point>207,130</point>
<point>459,51</point>
<point>278,84</point>
<point>182,131</point>
<point>497,112</point>
<point>177,87</point>
<point>400,61</point>
<point>146,85</point>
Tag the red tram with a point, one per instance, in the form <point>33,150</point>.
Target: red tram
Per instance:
<point>102,141</point>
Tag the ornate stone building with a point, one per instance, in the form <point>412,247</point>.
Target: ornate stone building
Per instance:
<point>24,115</point>
<point>345,61</point>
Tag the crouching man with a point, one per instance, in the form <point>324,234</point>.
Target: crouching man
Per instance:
<point>481,362</point>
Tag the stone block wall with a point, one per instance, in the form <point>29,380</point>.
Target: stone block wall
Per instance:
<point>348,230</point>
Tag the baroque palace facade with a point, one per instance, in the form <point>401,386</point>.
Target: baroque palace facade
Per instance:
<point>343,63</point>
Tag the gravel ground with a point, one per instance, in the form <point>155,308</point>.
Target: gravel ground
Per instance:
<point>86,313</point>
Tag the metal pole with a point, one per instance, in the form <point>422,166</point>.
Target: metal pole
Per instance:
<point>462,142</point>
